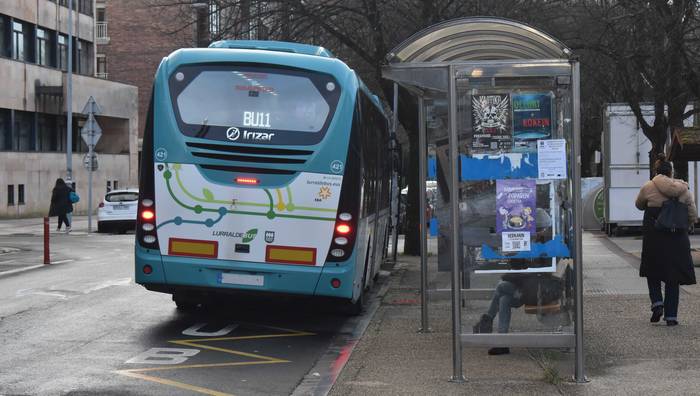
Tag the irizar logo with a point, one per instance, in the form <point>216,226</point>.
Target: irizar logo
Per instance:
<point>234,134</point>
<point>248,135</point>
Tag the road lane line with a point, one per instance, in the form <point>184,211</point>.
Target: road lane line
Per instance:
<point>176,384</point>
<point>14,271</point>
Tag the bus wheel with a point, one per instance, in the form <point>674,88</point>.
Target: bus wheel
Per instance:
<point>355,308</point>
<point>184,304</point>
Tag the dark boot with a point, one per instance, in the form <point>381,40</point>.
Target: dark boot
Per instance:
<point>484,325</point>
<point>499,351</point>
<point>656,313</point>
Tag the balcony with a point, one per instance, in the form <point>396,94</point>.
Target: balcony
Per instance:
<point>101,33</point>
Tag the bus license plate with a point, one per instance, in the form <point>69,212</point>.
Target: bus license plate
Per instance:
<point>242,279</point>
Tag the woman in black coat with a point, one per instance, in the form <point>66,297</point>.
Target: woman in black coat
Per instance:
<point>665,255</point>
<point>61,204</point>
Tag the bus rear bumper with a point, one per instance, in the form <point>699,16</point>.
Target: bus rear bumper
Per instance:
<point>183,274</point>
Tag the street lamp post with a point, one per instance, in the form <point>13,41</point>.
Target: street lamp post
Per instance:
<point>69,96</point>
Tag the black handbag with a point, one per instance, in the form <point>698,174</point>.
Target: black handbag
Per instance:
<point>673,216</point>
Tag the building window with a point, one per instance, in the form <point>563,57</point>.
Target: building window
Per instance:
<point>109,185</point>
<point>101,33</point>
<point>214,19</point>
<point>25,140</point>
<point>5,43</point>
<point>10,194</point>
<point>101,66</point>
<point>115,184</point>
<point>79,53</point>
<point>18,40</point>
<point>62,52</point>
<point>83,56</point>
<point>20,194</point>
<point>49,135</point>
<point>43,53</point>
<point>85,7</point>
<point>5,130</point>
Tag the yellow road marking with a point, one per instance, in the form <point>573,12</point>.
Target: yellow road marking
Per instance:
<point>231,351</point>
<point>176,384</point>
<point>204,365</point>
<point>135,373</point>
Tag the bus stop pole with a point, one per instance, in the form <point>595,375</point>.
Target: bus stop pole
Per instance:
<point>395,178</point>
<point>454,230</point>
<point>580,375</point>
<point>422,154</point>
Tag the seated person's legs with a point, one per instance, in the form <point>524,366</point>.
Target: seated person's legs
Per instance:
<point>501,302</point>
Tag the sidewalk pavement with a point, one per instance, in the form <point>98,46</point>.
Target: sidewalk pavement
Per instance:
<point>624,353</point>
<point>22,242</point>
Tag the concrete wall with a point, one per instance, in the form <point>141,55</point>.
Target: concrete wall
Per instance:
<point>39,171</point>
<point>50,15</point>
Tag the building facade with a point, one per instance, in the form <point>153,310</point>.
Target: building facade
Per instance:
<point>33,107</point>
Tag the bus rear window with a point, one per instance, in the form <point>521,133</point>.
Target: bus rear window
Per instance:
<point>253,104</point>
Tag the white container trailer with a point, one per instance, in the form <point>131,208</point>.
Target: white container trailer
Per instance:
<point>626,165</point>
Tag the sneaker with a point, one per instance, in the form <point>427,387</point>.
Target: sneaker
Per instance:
<point>58,229</point>
<point>671,323</point>
<point>499,351</point>
<point>68,229</point>
<point>656,313</point>
<point>485,325</point>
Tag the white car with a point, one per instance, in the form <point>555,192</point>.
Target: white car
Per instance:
<point>117,211</point>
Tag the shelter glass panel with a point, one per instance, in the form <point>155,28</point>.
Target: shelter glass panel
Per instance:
<point>515,198</point>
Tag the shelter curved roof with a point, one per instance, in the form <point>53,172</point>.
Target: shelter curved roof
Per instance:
<point>478,38</point>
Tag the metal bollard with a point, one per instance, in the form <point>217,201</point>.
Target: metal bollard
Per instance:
<point>47,258</point>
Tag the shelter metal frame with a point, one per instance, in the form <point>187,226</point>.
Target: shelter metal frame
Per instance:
<point>443,76</point>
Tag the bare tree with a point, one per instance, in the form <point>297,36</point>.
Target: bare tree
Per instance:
<point>647,53</point>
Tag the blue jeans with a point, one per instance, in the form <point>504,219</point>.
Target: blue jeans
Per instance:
<point>505,297</point>
<point>670,303</point>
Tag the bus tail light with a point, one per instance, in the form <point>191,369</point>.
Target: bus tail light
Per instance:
<point>147,215</point>
<point>146,230</point>
<point>342,229</point>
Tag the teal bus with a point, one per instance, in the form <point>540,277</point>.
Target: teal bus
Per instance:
<point>264,170</point>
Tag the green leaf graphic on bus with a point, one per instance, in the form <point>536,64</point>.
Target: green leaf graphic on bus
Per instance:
<point>207,195</point>
<point>250,235</point>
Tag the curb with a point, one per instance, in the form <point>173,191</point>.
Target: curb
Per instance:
<point>320,379</point>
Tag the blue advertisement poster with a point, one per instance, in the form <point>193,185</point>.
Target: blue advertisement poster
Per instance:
<point>532,120</point>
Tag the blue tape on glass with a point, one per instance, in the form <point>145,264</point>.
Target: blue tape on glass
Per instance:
<point>553,248</point>
<point>433,227</point>
<point>501,166</point>
<point>432,168</point>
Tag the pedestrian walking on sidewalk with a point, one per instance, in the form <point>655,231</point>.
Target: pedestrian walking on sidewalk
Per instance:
<point>665,255</point>
<point>61,204</point>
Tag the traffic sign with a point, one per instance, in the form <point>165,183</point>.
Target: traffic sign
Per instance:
<point>86,161</point>
<point>91,131</point>
<point>91,107</point>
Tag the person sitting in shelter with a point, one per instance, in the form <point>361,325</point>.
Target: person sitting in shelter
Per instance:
<point>518,289</point>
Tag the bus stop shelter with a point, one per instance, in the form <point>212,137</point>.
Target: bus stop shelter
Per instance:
<point>498,112</point>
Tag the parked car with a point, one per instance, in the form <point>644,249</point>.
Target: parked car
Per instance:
<point>117,211</point>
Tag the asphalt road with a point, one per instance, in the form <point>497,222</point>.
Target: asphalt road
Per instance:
<point>82,327</point>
